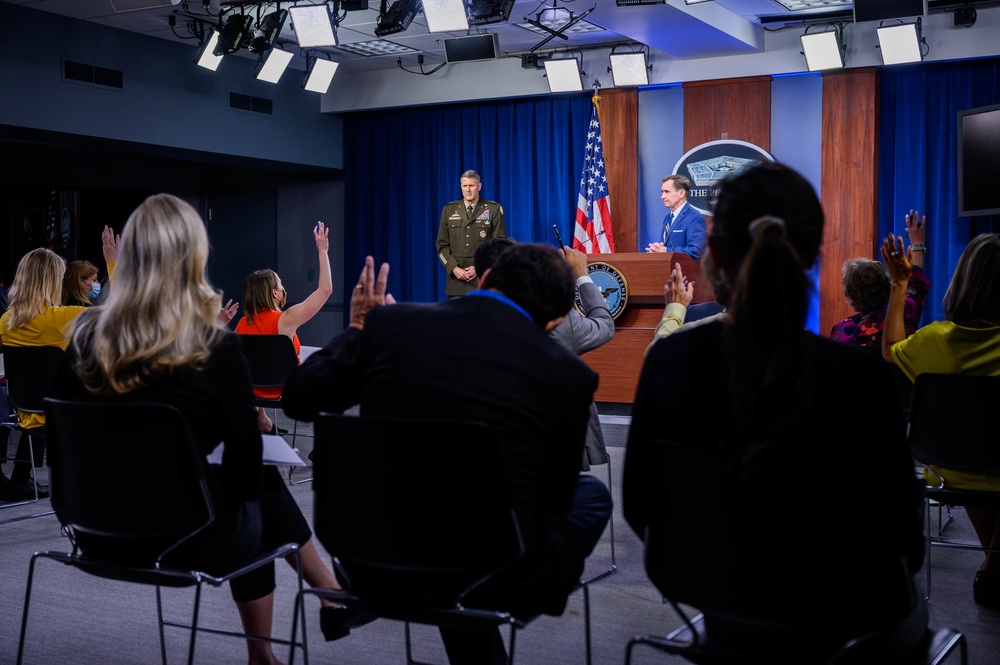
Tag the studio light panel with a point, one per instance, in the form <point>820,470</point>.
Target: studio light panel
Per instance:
<point>320,76</point>
<point>899,44</point>
<point>445,15</point>
<point>272,65</point>
<point>629,69</point>
<point>313,25</point>
<point>563,75</point>
<point>822,51</point>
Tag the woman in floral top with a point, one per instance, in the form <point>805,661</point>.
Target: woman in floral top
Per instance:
<point>866,285</point>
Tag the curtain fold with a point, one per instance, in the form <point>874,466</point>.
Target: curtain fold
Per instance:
<point>918,150</point>
<point>402,166</point>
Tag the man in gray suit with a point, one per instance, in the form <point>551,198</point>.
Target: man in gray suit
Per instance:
<point>578,332</point>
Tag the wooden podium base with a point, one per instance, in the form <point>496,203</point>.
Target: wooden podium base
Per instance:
<point>619,362</point>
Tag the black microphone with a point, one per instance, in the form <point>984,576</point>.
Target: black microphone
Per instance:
<point>603,231</point>
<point>555,229</point>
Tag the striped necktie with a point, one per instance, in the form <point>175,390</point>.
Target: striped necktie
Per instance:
<point>666,226</point>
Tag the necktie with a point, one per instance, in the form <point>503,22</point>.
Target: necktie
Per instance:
<point>666,226</point>
<point>468,209</point>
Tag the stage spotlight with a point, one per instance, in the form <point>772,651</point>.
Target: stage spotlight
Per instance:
<point>445,15</point>
<point>313,25</point>
<point>823,50</point>
<point>319,75</point>
<point>563,75</point>
<point>900,44</point>
<point>485,12</point>
<point>233,33</point>
<point>397,18</point>
<point>629,69</point>
<point>267,31</point>
<point>271,65</point>
<point>206,52</point>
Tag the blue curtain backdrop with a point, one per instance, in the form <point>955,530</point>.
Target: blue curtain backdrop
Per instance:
<point>918,160</point>
<point>402,166</point>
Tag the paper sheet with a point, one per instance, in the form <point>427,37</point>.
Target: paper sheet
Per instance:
<point>276,452</point>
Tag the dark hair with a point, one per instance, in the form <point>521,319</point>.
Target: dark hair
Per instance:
<point>536,277</point>
<point>973,296</point>
<point>679,182</point>
<point>489,251</point>
<point>766,233</point>
<point>866,285</point>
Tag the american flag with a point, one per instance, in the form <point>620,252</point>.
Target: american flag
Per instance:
<point>592,232</point>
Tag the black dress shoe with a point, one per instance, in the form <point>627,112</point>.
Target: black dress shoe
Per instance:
<point>281,430</point>
<point>336,622</point>
<point>23,491</point>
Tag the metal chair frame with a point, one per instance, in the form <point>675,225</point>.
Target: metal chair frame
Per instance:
<point>414,569</point>
<point>173,507</point>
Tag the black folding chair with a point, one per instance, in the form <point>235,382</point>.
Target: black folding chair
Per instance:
<point>272,359</point>
<point>167,504</point>
<point>31,373</point>
<point>691,557</point>
<point>952,426</point>
<point>446,528</point>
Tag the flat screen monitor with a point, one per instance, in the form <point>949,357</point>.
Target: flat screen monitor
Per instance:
<point>978,161</point>
<point>880,10</point>
<point>471,48</point>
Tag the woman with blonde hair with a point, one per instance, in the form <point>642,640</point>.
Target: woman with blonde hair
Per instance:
<point>158,338</point>
<point>264,300</point>
<point>36,316</point>
<point>80,284</point>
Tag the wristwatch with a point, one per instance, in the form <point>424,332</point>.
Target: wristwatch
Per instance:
<point>919,248</point>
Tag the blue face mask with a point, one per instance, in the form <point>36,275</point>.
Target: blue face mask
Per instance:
<point>94,289</point>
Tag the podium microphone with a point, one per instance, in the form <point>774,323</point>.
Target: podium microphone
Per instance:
<point>595,237</point>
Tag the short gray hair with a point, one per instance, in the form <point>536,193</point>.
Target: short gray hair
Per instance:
<point>472,174</point>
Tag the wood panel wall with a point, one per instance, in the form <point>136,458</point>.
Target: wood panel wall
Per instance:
<point>731,109</point>
<point>849,188</point>
<point>619,134</point>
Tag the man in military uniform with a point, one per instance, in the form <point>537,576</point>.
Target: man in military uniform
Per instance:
<point>465,224</point>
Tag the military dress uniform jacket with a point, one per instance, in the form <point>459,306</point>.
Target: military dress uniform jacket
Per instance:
<point>460,234</point>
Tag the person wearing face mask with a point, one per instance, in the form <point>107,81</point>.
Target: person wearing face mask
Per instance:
<point>264,300</point>
<point>80,284</point>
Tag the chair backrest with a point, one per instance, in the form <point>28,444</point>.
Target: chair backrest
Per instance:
<point>31,374</point>
<point>414,511</point>
<point>951,421</point>
<point>271,358</point>
<point>159,494</point>
<point>691,556</point>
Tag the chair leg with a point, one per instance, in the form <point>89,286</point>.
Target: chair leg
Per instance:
<point>24,615</point>
<point>194,622</point>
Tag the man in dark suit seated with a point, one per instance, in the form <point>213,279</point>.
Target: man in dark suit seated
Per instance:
<point>420,361</point>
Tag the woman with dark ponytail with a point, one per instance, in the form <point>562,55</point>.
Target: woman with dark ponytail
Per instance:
<point>776,406</point>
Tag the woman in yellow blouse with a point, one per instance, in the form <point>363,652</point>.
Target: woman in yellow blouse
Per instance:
<point>37,317</point>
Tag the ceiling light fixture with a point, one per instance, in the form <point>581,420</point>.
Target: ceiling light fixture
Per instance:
<point>233,33</point>
<point>900,44</point>
<point>319,74</point>
<point>555,22</point>
<point>823,50</point>
<point>268,30</point>
<point>271,65</point>
<point>563,75</point>
<point>313,25</point>
<point>484,12</point>
<point>629,69</point>
<point>397,18</point>
<point>206,52</point>
<point>445,15</point>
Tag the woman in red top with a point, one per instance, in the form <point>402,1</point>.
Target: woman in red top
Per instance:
<point>264,300</point>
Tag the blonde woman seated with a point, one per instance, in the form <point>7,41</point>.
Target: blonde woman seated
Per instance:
<point>264,300</point>
<point>174,350</point>
<point>36,316</point>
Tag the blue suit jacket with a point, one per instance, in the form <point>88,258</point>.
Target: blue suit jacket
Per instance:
<point>688,233</point>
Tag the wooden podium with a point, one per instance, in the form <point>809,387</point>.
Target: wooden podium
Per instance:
<point>619,362</point>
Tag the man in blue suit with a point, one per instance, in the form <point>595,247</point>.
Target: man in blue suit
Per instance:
<point>684,227</point>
